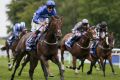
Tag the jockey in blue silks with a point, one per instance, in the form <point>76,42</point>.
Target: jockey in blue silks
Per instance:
<point>17,28</point>
<point>78,30</point>
<point>40,22</point>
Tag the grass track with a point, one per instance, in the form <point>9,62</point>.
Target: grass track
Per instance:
<point>69,74</point>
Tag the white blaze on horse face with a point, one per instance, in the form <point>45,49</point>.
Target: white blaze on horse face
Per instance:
<point>95,35</point>
<point>102,34</point>
<point>107,41</point>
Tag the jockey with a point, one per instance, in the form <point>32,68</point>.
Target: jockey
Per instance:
<point>102,31</point>
<point>40,22</point>
<point>78,30</point>
<point>17,28</point>
<point>102,27</point>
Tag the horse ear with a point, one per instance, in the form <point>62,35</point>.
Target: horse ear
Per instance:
<point>61,18</point>
<point>112,33</point>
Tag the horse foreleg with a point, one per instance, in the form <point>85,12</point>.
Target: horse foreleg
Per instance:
<point>110,61</point>
<point>44,68</point>
<point>62,58</point>
<point>81,65</point>
<point>33,64</point>
<point>91,67</point>
<point>56,61</point>
<point>18,60</point>
<point>102,64</point>
<point>24,64</point>
<point>48,69</point>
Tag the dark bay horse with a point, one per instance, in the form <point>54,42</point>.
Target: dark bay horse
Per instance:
<point>103,53</point>
<point>48,48</point>
<point>12,48</point>
<point>80,49</point>
<point>51,48</point>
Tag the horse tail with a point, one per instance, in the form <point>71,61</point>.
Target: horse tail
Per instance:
<point>3,48</point>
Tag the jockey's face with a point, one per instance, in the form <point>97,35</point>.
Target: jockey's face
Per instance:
<point>50,8</point>
<point>85,24</point>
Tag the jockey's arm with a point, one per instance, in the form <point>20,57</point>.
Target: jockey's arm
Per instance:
<point>76,27</point>
<point>37,15</point>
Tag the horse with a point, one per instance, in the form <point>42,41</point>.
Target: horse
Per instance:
<point>26,60</point>
<point>104,52</point>
<point>48,48</point>
<point>54,28</point>
<point>14,44</point>
<point>80,49</point>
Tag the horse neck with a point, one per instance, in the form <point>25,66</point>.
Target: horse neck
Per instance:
<point>84,41</point>
<point>104,44</point>
<point>50,36</point>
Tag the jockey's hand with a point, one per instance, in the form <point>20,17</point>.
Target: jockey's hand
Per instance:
<point>34,35</point>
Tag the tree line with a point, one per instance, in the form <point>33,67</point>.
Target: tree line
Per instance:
<point>72,11</point>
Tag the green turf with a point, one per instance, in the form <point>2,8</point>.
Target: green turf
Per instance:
<point>69,74</point>
<point>2,41</point>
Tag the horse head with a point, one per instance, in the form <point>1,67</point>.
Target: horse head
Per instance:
<point>55,26</point>
<point>23,33</point>
<point>91,33</point>
<point>111,40</point>
<point>108,41</point>
<point>85,39</point>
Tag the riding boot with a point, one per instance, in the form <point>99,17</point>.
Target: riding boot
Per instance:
<point>74,39</point>
<point>10,40</point>
<point>31,42</point>
<point>70,42</point>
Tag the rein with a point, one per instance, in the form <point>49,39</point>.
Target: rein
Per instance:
<point>50,43</point>
<point>100,46</point>
<point>83,47</point>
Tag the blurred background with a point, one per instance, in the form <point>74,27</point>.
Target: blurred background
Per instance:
<point>12,11</point>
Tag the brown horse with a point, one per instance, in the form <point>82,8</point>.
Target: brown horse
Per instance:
<point>80,49</point>
<point>14,44</point>
<point>48,48</point>
<point>104,52</point>
<point>51,48</point>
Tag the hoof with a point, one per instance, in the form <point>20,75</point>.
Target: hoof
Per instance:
<point>88,73</point>
<point>76,71</point>
<point>19,74</point>
<point>98,69</point>
<point>114,73</point>
<point>51,75</point>
<point>9,67</point>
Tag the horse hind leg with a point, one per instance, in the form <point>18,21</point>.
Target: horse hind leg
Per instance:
<point>8,56</point>
<point>24,64</point>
